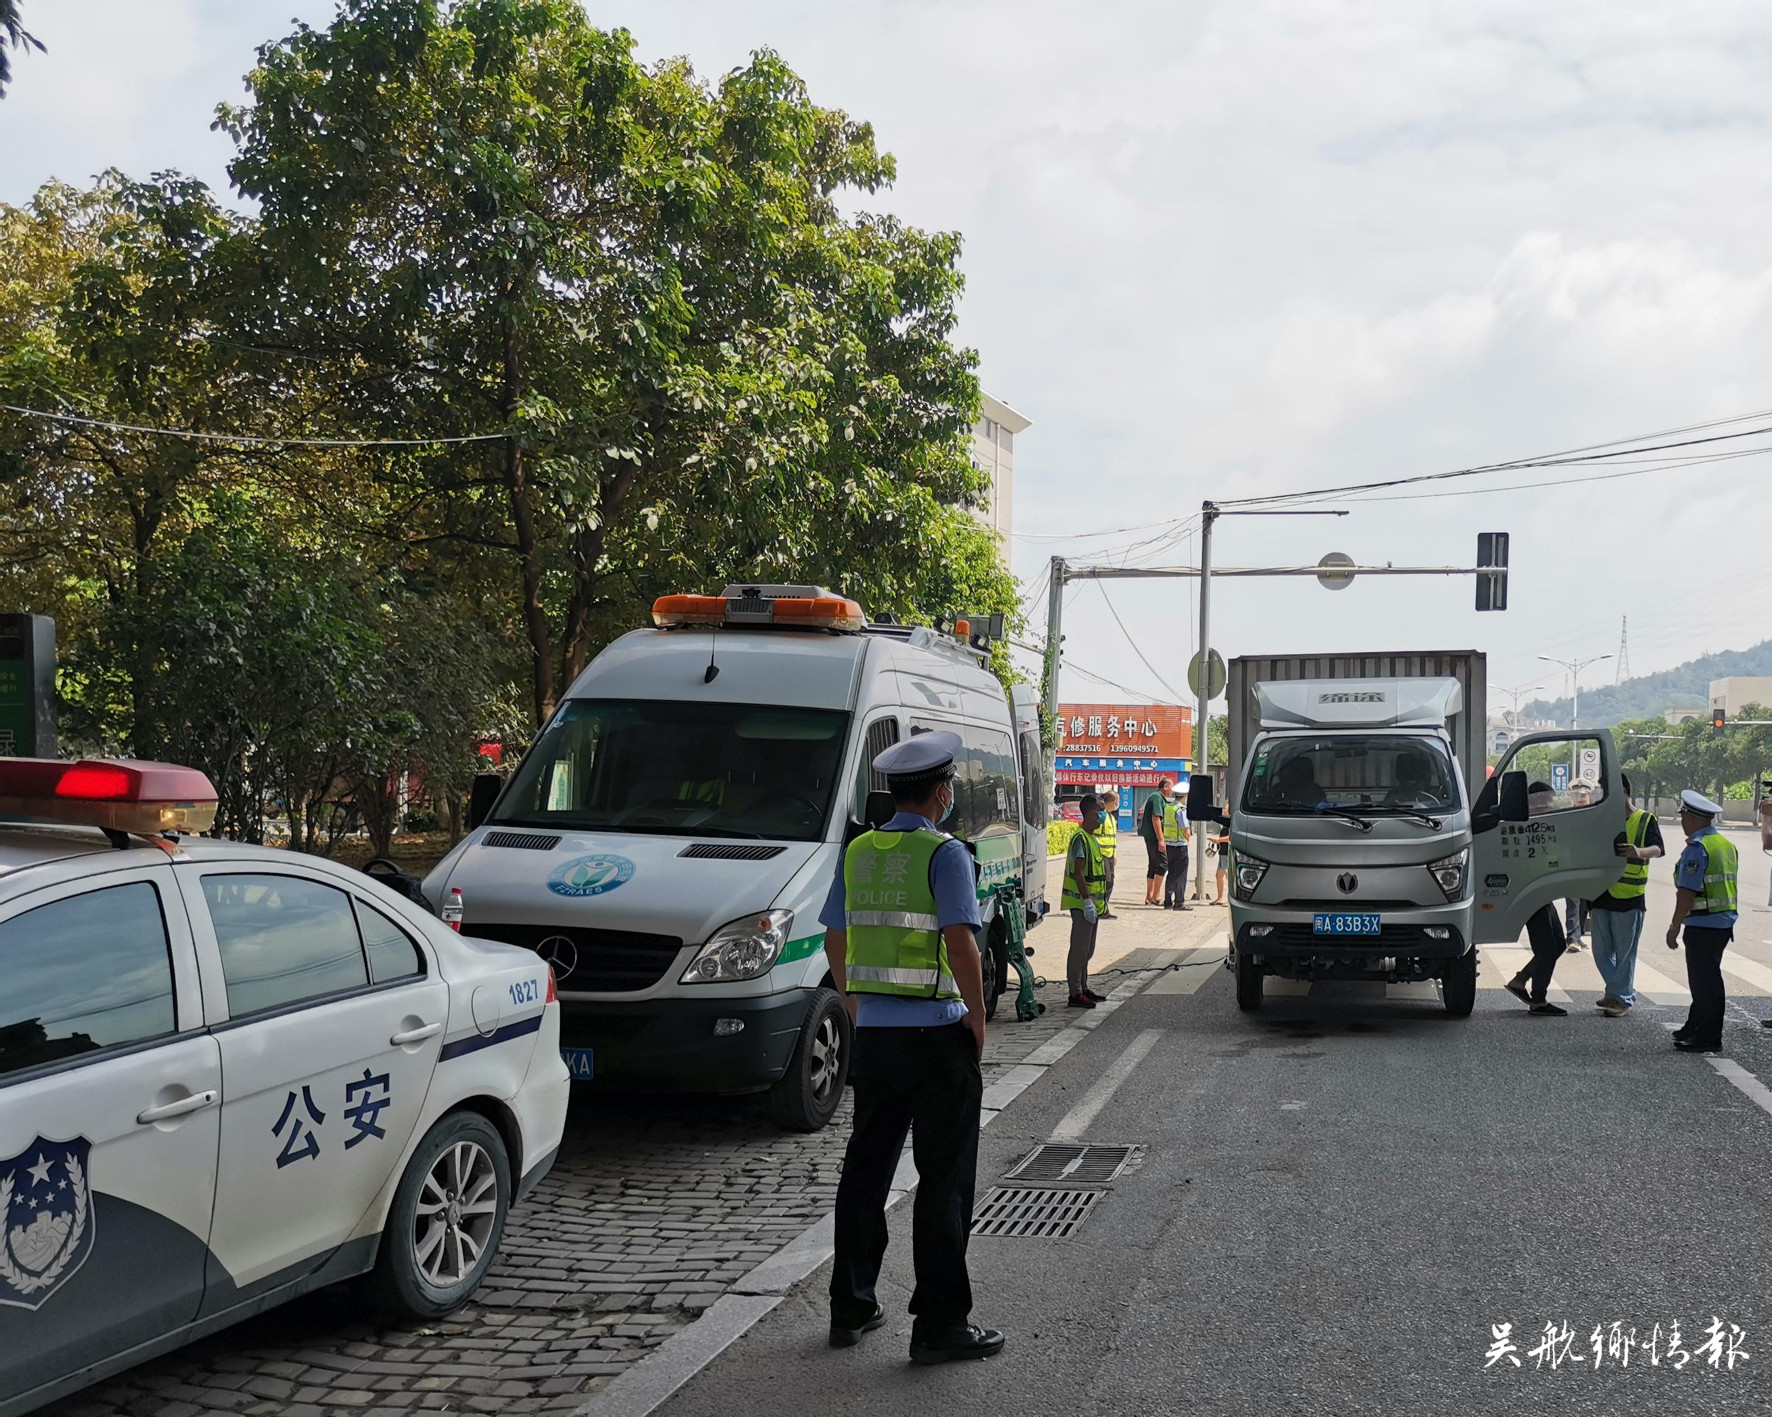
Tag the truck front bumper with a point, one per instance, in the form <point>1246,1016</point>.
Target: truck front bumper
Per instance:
<point>670,1045</point>
<point>1413,943</point>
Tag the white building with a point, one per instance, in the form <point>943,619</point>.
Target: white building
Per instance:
<point>993,450</point>
<point>1734,694</point>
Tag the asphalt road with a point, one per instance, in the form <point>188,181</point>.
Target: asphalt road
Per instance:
<point>1340,1197</point>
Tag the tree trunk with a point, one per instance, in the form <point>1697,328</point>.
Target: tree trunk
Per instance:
<point>517,485</point>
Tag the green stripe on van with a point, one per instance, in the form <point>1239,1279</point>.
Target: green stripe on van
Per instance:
<point>801,949</point>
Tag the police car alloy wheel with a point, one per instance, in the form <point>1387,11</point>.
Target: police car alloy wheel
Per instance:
<point>447,1219</point>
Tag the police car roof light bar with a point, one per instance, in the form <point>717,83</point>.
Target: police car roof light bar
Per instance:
<point>113,794</point>
<point>762,607</point>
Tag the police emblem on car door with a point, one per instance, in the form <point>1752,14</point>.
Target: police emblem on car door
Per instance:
<point>46,1219</point>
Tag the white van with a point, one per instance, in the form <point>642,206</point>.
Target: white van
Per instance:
<point>668,842</point>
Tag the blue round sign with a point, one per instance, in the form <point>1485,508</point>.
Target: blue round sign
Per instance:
<point>591,875</point>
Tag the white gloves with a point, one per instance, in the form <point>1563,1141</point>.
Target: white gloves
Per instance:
<point>1089,911</point>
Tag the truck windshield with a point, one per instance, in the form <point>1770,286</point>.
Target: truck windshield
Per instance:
<point>740,770</point>
<point>1349,772</point>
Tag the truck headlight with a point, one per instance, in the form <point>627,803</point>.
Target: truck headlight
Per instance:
<point>1247,874</point>
<point>742,950</point>
<point>1449,872</point>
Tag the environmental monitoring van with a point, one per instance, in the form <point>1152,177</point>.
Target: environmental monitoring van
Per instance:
<point>668,842</point>
<point>1369,839</point>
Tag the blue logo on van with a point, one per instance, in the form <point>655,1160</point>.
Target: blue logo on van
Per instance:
<point>591,875</point>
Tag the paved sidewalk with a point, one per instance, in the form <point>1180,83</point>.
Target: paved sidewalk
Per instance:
<point>655,1207</point>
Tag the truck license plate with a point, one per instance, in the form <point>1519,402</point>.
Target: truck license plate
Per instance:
<point>578,1063</point>
<point>1355,924</point>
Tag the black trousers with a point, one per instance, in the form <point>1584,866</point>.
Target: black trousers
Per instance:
<point>1175,882</point>
<point>1545,931</point>
<point>1704,977</point>
<point>925,1081</point>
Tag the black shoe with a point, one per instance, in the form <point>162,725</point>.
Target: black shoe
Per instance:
<point>1080,1001</point>
<point>968,1342</point>
<point>1168,906</point>
<point>1545,1007</point>
<point>848,1337</point>
<point>1766,1023</point>
<point>1518,990</point>
<point>1093,997</point>
<point>1687,1045</point>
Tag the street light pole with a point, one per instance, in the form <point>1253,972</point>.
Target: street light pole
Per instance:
<point>1575,666</point>
<point>1203,720</point>
<point>1054,653</point>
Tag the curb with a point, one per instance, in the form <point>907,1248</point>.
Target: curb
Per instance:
<point>648,1384</point>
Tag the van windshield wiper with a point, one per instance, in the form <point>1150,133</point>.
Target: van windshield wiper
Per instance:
<point>1390,809</point>
<point>1361,822</point>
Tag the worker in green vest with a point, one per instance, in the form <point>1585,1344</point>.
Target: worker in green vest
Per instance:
<point>1616,918</point>
<point>901,924</point>
<point>1107,837</point>
<point>1175,846</point>
<point>1705,902</point>
<point>1082,897</point>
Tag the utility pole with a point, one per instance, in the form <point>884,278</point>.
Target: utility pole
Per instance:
<point>1203,720</point>
<point>1054,653</point>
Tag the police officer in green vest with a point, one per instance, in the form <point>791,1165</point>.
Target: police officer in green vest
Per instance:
<point>1107,837</point>
<point>1705,902</point>
<point>900,936</point>
<point>1082,897</point>
<point>1616,918</point>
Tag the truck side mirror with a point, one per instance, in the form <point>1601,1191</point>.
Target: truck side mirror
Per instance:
<point>1199,798</point>
<point>487,786</point>
<point>878,810</point>
<point>1515,806</point>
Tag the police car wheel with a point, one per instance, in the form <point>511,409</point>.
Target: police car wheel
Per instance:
<point>805,1098</point>
<point>447,1219</point>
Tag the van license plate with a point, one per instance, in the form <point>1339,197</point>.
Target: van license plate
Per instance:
<point>578,1063</point>
<point>1357,924</point>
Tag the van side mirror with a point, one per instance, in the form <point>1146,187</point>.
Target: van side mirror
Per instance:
<point>1515,805</point>
<point>878,810</point>
<point>487,786</point>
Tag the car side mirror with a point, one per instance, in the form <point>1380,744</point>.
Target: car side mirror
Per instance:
<point>487,786</point>
<point>1515,805</point>
<point>878,810</point>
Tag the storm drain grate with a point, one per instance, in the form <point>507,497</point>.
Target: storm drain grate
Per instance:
<point>1032,1212</point>
<point>1072,1165</point>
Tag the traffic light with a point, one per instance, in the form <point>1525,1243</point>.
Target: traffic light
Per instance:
<point>1492,583</point>
<point>1717,719</point>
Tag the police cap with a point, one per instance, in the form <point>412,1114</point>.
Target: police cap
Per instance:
<point>926,758</point>
<point>1698,804</point>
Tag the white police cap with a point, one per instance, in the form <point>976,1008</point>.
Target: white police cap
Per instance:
<point>1699,803</point>
<point>925,755</point>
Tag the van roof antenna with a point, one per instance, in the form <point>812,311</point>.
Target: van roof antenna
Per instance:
<point>713,670</point>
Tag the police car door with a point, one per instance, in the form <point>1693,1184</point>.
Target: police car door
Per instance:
<point>108,1121</point>
<point>330,1018</point>
<point>1564,849</point>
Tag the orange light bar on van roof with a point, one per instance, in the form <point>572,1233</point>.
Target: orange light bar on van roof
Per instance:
<point>121,794</point>
<point>799,613</point>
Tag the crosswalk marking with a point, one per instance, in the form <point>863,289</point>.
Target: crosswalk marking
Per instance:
<point>1745,969</point>
<point>1505,961</point>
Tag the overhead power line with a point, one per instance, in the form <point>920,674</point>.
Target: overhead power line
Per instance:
<point>247,440</point>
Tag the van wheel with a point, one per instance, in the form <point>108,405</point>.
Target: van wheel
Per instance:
<point>994,960</point>
<point>1248,983</point>
<point>1458,985</point>
<point>446,1221</point>
<point>807,1094</point>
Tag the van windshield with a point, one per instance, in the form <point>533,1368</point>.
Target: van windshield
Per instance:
<point>646,765</point>
<point>1349,772</point>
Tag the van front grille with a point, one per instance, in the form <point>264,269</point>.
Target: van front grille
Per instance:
<point>590,961</point>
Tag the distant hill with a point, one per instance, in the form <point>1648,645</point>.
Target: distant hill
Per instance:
<point>1645,697</point>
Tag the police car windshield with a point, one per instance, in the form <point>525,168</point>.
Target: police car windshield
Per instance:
<point>677,769</point>
<point>1379,775</point>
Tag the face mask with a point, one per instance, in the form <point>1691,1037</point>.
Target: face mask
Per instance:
<point>948,810</point>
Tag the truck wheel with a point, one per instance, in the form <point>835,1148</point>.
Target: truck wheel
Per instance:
<point>446,1221</point>
<point>994,958</point>
<point>1248,983</point>
<point>807,1094</point>
<point>1458,986</point>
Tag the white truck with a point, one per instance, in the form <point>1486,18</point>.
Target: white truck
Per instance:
<point>1369,839</point>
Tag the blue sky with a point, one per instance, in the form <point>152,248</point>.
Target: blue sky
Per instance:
<point>1220,249</point>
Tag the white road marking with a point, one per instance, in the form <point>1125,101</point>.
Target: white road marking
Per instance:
<point>1661,988</point>
<point>1756,1091</point>
<point>1193,971</point>
<point>1422,991</point>
<point>1077,1120</point>
<point>1746,969</point>
<point>1510,960</point>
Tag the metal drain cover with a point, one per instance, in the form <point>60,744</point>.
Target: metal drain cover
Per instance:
<point>1068,1164</point>
<point>1032,1212</point>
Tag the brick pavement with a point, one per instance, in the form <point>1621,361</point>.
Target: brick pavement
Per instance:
<point>654,1208</point>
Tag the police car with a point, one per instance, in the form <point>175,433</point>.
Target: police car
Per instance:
<point>231,1074</point>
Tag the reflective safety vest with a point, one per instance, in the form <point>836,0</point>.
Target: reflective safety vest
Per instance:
<point>1107,836</point>
<point>1092,872</point>
<point>1721,861</point>
<point>1635,880</point>
<point>1174,824</point>
<point>895,944</point>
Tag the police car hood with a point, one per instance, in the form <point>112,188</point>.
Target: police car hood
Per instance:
<point>682,886</point>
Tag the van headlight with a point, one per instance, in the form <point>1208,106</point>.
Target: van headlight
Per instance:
<point>1247,874</point>
<point>742,950</point>
<point>1449,872</point>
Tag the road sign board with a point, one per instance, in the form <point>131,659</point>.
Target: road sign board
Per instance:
<point>1330,579</point>
<point>1587,763</point>
<point>1559,777</point>
<point>1215,687</point>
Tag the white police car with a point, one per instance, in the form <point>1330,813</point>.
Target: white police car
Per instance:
<point>232,1074</point>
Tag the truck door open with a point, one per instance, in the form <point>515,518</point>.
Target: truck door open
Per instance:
<point>1532,848</point>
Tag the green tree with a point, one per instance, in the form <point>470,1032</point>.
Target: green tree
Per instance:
<point>486,215</point>
<point>12,37</point>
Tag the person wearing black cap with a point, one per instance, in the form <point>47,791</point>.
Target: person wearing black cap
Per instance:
<point>1705,902</point>
<point>900,937</point>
